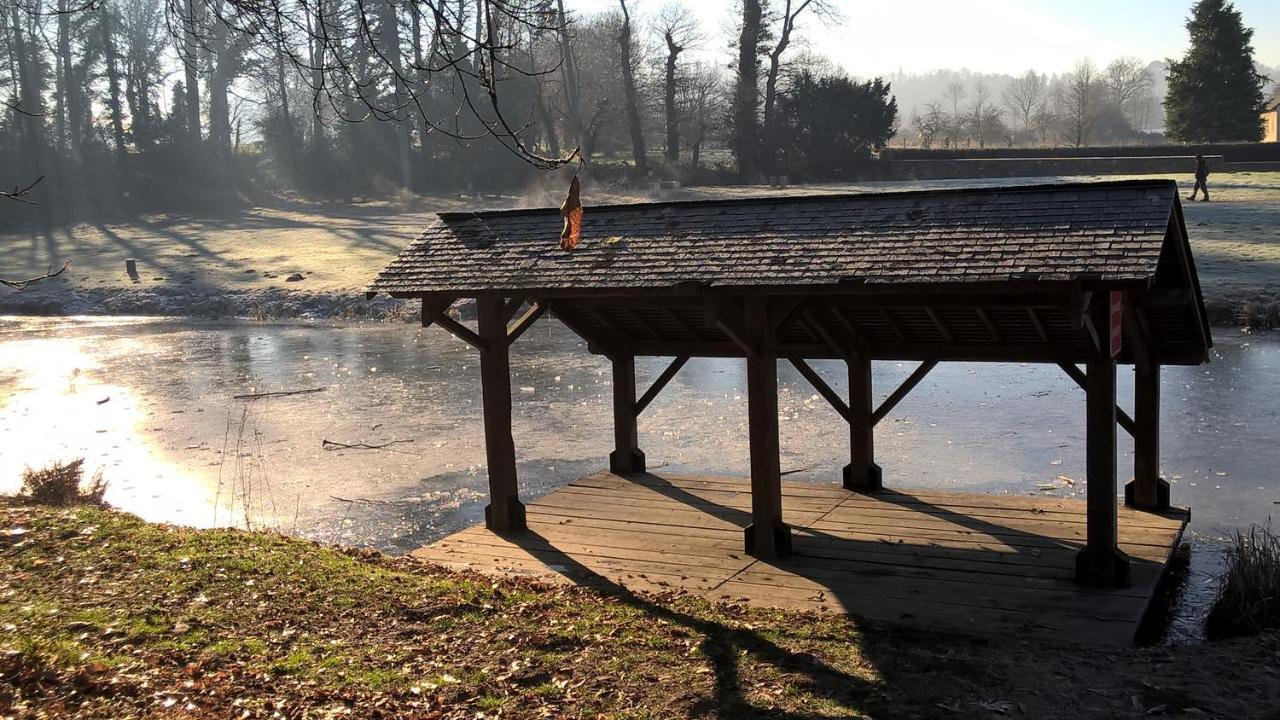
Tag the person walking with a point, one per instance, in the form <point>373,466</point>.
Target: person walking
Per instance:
<point>1202,179</point>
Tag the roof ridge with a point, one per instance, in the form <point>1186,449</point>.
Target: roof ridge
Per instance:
<point>821,197</point>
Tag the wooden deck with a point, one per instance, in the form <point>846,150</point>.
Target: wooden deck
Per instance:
<point>982,564</point>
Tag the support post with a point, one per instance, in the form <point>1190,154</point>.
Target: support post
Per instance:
<point>767,536</point>
<point>1101,563</point>
<point>862,474</point>
<point>505,512</point>
<point>626,456</point>
<point>1147,490</point>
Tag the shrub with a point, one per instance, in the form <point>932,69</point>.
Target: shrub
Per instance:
<point>62,485</point>
<point>1248,600</point>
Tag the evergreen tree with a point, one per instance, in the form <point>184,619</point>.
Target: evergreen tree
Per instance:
<point>1215,94</point>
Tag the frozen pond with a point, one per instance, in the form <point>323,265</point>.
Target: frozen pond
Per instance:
<point>151,403</point>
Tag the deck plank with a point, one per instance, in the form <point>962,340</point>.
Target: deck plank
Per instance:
<point>982,564</point>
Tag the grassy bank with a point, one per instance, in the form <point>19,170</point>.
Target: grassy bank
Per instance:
<point>102,615</point>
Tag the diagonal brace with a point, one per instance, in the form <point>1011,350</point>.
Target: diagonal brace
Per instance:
<point>903,390</point>
<point>660,383</point>
<point>526,321</point>
<point>1122,417</point>
<point>822,387</point>
<point>434,313</point>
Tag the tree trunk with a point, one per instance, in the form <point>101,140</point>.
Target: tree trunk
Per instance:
<point>113,83</point>
<point>629,90</point>
<point>747,94</point>
<point>317,68</point>
<point>391,49</point>
<point>63,74</point>
<point>569,68</point>
<point>669,100</point>
<point>282,88</point>
<point>192,53</point>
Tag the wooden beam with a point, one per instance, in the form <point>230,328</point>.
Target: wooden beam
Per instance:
<point>512,308</point>
<point>1147,490</point>
<point>937,322</point>
<point>683,324</point>
<point>784,310</point>
<point>640,321</point>
<point>821,386</point>
<point>1039,326</point>
<point>906,387</point>
<point>893,326</point>
<point>1136,336</point>
<point>660,383</point>
<point>767,536</point>
<point>824,333</point>
<point>610,343</point>
<point>1081,379</point>
<point>1101,563</point>
<point>992,330</point>
<point>525,322</point>
<point>736,332</point>
<point>862,474</point>
<point>464,333</point>
<point>626,457</point>
<point>505,512</point>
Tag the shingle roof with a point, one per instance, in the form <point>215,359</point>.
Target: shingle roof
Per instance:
<point>1108,231</point>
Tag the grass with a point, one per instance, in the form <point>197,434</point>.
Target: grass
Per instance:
<point>1248,598</point>
<point>105,616</point>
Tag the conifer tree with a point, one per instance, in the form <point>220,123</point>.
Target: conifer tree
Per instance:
<point>1215,93</point>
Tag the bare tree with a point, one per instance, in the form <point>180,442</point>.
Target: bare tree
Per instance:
<point>676,26</point>
<point>625,43</point>
<point>1127,85</point>
<point>1081,102</point>
<point>1025,96</point>
<point>746,101</point>
<point>932,123</point>
<point>984,118</point>
<point>791,12</point>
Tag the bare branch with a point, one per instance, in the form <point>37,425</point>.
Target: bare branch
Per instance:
<point>21,285</point>
<point>20,194</point>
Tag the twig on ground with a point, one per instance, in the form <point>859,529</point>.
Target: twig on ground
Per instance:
<point>281,393</point>
<point>331,445</point>
<point>21,285</point>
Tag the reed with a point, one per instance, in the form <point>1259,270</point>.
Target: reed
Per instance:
<point>1248,599</point>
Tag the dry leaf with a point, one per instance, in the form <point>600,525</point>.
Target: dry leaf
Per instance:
<point>571,211</point>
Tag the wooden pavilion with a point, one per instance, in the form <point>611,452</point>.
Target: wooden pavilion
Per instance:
<point>1088,275</point>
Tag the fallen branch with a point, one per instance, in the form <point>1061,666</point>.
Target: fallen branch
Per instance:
<point>282,393</point>
<point>21,285</point>
<point>331,445</point>
<point>20,194</point>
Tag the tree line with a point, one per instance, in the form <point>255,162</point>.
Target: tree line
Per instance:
<point>168,103</point>
<point>1086,105</point>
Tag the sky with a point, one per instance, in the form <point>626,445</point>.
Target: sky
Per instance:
<point>988,36</point>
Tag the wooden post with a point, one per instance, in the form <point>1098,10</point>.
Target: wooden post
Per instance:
<point>626,456</point>
<point>767,535</point>
<point>505,512</point>
<point>1101,563</point>
<point>1147,490</point>
<point>862,474</point>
